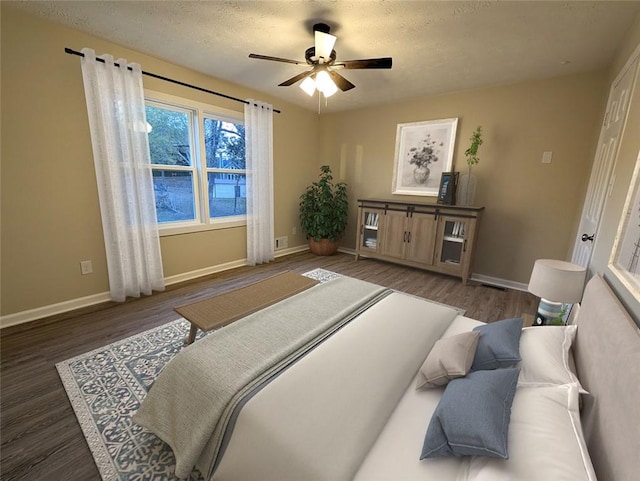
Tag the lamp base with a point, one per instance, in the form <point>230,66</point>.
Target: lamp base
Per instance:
<point>547,310</point>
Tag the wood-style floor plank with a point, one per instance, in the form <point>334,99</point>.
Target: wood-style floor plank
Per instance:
<point>40,438</point>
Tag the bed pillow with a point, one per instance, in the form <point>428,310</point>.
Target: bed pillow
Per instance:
<point>545,352</point>
<point>472,417</point>
<point>499,344</point>
<point>450,358</point>
<point>545,439</point>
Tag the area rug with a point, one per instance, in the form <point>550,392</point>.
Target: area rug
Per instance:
<point>106,387</point>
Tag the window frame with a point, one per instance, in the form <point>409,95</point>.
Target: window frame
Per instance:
<point>198,112</point>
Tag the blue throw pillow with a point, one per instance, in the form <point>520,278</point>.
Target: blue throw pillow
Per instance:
<point>499,344</point>
<point>472,417</point>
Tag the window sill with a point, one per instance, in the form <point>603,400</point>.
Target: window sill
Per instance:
<point>193,228</point>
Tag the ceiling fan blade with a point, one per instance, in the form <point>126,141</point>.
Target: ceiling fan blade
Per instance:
<point>384,62</point>
<point>295,79</point>
<point>276,59</point>
<point>341,82</point>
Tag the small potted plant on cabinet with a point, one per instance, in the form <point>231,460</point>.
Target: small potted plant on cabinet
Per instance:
<point>468,181</point>
<point>323,213</point>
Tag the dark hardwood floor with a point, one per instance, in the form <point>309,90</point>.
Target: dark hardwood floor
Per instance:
<point>40,436</point>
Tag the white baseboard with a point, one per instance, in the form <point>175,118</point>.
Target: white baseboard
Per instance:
<point>498,282</point>
<point>52,309</point>
<point>66,306</point>
<point>291,250</point>
<point>187,276</point>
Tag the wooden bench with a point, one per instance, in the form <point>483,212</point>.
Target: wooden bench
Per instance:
<point>223,309</point>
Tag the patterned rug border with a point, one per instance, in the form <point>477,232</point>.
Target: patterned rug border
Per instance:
<point>102,458</point>
<point>177,329</point>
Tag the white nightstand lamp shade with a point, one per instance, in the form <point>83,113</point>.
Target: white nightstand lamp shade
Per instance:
<point>556,283</point>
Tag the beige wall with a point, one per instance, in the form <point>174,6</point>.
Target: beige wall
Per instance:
<point>50,213</point>
<point>623,170</point>
<point>530,207</point>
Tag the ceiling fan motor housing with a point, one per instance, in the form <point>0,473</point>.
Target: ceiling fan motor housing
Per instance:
<point>321,27</point>
<point>310,57</point>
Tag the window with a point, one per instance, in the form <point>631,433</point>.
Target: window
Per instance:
<point>198,161</point>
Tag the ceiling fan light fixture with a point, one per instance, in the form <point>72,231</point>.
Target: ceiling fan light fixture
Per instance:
<point>324,43</point>
<point>325,84</point>
<point>309,86</point>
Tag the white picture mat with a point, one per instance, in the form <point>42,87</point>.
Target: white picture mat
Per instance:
<point>410,135</point>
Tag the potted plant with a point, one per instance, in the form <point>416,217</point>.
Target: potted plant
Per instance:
<point>323,213</point>
<point>468,181</point>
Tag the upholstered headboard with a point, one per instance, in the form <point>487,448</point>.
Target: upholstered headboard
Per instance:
<point>607,354</point>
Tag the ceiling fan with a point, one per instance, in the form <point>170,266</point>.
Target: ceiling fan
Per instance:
<point>322,58</point>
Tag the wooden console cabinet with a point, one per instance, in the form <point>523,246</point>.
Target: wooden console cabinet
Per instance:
<point>435,237</point>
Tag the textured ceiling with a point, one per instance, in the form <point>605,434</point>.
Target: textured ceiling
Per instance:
<point>436,46</point>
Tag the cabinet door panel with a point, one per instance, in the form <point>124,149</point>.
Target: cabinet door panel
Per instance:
<point>394,234</point>
<point>369,220</point>
<point>453,234</point>
<point>422,238</point>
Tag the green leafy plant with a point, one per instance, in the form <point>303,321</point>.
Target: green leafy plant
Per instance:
<point>324,208</point>
<point>559,319</point>
<point>472,151</point>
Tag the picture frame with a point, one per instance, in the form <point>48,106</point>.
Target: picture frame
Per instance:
<point>448,187</point>
<point>624,262</point>
<point>426,145</point>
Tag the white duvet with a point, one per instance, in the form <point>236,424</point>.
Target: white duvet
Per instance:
<point>319,419</point>
<point>349,411</point>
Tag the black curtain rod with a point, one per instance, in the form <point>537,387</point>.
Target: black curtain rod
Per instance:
<point>167,79</point>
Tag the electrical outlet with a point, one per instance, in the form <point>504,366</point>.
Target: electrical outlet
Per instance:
<point>294,230</point>
<point>86,267</point>
<point>546,157</point>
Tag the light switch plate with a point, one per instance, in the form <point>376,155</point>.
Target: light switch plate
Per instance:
<point>546,157</point>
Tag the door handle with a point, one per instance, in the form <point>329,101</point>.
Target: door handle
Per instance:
<point>586,237</point>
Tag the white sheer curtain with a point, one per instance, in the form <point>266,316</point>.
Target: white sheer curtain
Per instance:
<point>115,104</point>
<point>258,122</point>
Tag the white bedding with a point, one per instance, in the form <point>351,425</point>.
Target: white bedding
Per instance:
<point>349,409</point>
<point>318,420</point>
<point>395,455</point>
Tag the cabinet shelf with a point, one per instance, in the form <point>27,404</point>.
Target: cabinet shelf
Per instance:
<point>371,227</point>
<point>449,238</point>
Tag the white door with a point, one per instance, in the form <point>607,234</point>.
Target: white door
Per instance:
<point>601,181</point>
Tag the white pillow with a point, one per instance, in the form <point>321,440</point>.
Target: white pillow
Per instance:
<point>545,439</point>
<point>545,356</point>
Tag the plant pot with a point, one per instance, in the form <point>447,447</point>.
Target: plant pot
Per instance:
<point>323,247</point>
<point>466,192</point>
<point>421,174</point>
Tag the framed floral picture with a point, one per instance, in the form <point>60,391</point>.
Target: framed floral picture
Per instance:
<point>625,255</point>
<point>424,150</point>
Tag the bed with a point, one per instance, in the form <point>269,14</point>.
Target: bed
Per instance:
<point>322,386</point>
